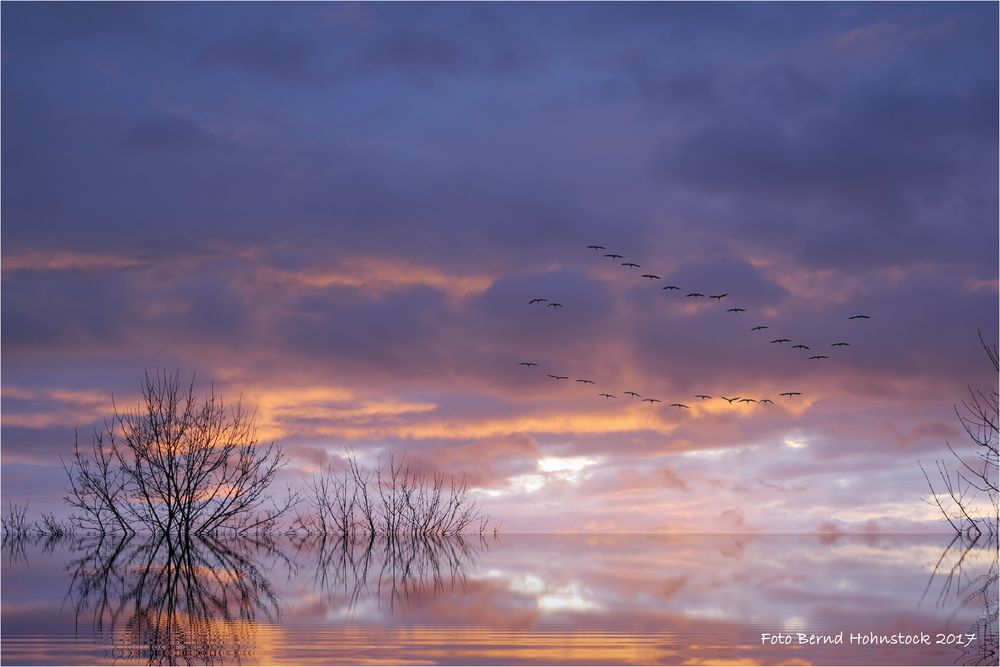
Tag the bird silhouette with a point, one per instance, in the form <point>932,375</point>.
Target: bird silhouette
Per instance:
<point>555,304</point>
<point>631,393</point>
<point>586,381</point>
<point>782,340</point>
<point>671,287</point>
<point>839,344</point>
<point>747,400</point>
<point>702,396</point>
<point>736,310</point>
<point>859,317</point>
<point>718,297</point>
<point>651,400</point>
<point>559,377</point>
<point>614,256</point>
<point>800,347</point>
<point>529,364</point>
<point>596,247</point>
<point>694,294</point>
<point>726,398</point>
<point>766,400</point>
<point>534,301</point>
<point>607,396</point>
<point>790,393</point>
<point>651,276</point>
<point>679,405</point>
<point>759,328</point>
<point>819,356</point>
<point>632,264</point>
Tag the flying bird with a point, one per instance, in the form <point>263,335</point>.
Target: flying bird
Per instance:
<point>651,400</point>
<point>839,344</point>
<point>782,340</point>
<point>529,364</point>
<point>679,405</point>
<point>586,381</point>
<point>607,396</point>
<point>558,377</point>
<point>632,264</point>
<point>671,287</point>
<point>747,400</point>
<point>759,328</point>
<point>614,256</point>
<point>859,317</point>
<point>766,400</point>
<point>819,356</point>
<point>596,247</point>
<point>800,347</point>
<point>703,396</point>
<point>631,393</point>
<point>790,393</point>
<point>534,301</point>
<point>555,305</point>
<point>718,297</point>
<point>735,398</point>
<point>736,310</point>
<point>651,276</point>
<point>694,294</point>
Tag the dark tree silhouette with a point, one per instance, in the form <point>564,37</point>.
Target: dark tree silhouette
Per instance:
<point>176,465</point>
<point>968,493</point>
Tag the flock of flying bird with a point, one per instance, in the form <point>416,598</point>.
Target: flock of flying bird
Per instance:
<point>690,295</point>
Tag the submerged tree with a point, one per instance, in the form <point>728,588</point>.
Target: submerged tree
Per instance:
<point>391,501</point>
<point>968,492</point>
<point>176,465</point>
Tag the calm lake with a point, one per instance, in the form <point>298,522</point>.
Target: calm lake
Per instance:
<point>517,599</point>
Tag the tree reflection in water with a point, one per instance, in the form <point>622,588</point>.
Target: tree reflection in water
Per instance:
<point>389,570</point>
<point>966,577</point>
<point>170,601</point>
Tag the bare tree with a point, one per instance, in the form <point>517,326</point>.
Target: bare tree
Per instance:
<point>176,464</point>
<point>392,501</point>
<point>967,494</point>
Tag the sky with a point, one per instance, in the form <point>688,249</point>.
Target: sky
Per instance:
<point>340,213</point>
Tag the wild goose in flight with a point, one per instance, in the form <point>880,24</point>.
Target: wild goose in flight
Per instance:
<point>679,405</point>
<point>607,396</point>
<point>819,356</point>
<point>631,264</point>
<point>651,400</point>
<point>790,393</point>
<point>595,248</point>
<point>558,377</point>
<point>839,344</point>
<point>529,364</point>
<point>671,287</point>
<point>726,398</point>
<point>534,301</point>
<point>766,400</point>
<point>782,340</point>
<point>651,276</point>
<point>702,396</point>
<point>694,295</point>
<point>800,346</point>
<point>718,297</point>
<point>586,381</point>
<point>748,400</point>
<point>859,317</point>
<point>614,256</point>
<point>555,304</point>
<point>631,393</point>
<point>736,310</point>
<point>759,327</point>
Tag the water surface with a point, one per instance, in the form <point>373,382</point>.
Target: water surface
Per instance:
<point>519,599</point>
